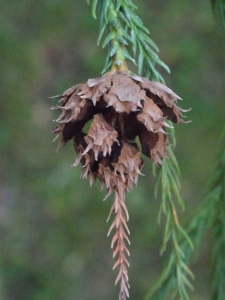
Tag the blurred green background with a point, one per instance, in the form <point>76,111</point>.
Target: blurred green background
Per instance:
<point>52,225</point>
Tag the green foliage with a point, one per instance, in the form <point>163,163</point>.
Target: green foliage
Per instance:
<point>216,209</point>
<point>51,224</point>
<point>123,28</point>
<point>210,215</point>
<point>175,278</point>
<point>219,8</point>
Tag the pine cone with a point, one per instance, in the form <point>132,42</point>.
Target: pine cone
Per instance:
<point>122,107</point>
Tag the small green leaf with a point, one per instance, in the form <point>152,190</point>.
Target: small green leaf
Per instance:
<point>101,33</point>
<point>113,51</point>
<point>140,59</point>
<point>123,17</point>
<point>133,37</point>
<point>174,160</point>
<point>121,40</point>
<point>127,14</point>
<point>118,5</point>
<point>137,21</point>
<point>162,64</point>
<point>107,66</point>
<point>185,267</point>
<point>108,38</point>
<point>127,36</point>
<point>150,53</point>
<point>147,39</point>
<point>94,6</point>
<point>132,6</point>
<point>160,78</point>
<point>187,283</point>
<point>105,8</point>
<point>127,56</point>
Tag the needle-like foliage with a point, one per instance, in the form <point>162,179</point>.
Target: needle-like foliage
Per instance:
<point>175,280</point>
<point>210,216</point>
<point>123,31</point>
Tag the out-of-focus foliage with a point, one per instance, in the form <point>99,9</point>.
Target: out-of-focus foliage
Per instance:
<point>219,8</point>
<point>52,225</point>
<point>215,203</point>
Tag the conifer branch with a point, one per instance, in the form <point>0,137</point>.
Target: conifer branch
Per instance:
<point>125,32</point>
<point>210,215</point>
<point>175,278</point>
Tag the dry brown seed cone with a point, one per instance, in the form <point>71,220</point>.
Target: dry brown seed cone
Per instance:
<point>122,108</point>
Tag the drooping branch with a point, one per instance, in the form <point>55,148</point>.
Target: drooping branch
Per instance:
<point>176,276</point>
<point>209,216</point>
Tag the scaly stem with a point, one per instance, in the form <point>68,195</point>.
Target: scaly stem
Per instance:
<point>119,60</point>
<point>118,242</point>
